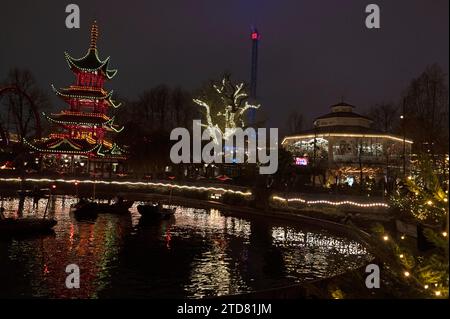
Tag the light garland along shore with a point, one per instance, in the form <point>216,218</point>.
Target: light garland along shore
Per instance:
<point>195,188</point>
<point>337,203</point>
<point>124,183</point>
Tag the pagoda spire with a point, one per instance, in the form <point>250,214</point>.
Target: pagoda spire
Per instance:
<point>94,35</point>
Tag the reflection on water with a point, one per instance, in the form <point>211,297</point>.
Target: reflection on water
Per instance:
<point>198,253</point>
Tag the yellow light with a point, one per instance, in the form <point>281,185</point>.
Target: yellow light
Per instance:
<point>426,286</point>
<point>444,234</point>
<point>323,135</point>
<point>437,293</point>
<point>409,177</point>
<point>430,202</point>
<point>385,238</point>
<point>406,274</point>
<point>401,255</point>
<point>150,184</point>
<point>445,200</point>
<point>318,202</point>
<point>403,237</point>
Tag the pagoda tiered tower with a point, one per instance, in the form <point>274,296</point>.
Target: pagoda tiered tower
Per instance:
<point>81,142</point>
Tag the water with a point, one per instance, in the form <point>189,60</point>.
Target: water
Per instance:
<point>199,253</point>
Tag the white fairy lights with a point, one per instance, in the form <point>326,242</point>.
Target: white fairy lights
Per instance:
<point>125,183</point>
<point>327,202</point>
<point>323,135</point>
<point>233,97</point>
<point>58,151</point>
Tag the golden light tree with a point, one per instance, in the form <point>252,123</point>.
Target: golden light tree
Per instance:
<point>423,200</point>
<point>224,104</point>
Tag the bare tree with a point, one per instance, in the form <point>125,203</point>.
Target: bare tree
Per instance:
<point>295,122</point>
<point>148,122</point>
<point>385,117</point>
<point>20,110</point>
<point>426,111</point>
<point>162,96</point>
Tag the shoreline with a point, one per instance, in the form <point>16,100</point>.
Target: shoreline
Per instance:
<point>313,289</point>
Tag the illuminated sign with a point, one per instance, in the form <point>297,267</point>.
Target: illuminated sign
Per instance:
<point>302,161</point>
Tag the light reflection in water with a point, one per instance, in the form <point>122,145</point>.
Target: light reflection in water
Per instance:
<point>199,253</point>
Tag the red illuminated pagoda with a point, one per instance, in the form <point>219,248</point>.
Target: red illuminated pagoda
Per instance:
<point>81,142</point>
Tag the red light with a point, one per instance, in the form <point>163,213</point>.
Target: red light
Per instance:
<point>255,35</point>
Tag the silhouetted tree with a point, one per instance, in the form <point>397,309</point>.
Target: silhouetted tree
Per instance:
<point>148,122</point>
<point>385,117</point>
<point>295,122</point>
<point>426,111</point>
<point>18,111</point>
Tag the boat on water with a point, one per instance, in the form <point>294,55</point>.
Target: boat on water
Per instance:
<point>86,208</point>
<point>25,226</point>
<point>155,211</point>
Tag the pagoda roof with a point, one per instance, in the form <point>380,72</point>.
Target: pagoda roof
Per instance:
<point>63,145</point>
<point>80,92</point>
<point>79,118</point>
<point>113,127</point>
<point>113,150</point>
<point>91,62</point>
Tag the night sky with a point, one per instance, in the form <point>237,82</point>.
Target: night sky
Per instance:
<point>311,52</point>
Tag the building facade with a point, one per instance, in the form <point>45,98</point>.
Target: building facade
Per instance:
<point>345,148</point>
<point>82,139</point>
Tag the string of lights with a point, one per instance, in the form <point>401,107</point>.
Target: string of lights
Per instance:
<point>336,203</point>
<point>403,257</point>
<point>126,183</point>
<point>322,135</point>
<point>234,107</point>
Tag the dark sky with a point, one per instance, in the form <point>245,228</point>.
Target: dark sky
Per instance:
<point>311,52</point>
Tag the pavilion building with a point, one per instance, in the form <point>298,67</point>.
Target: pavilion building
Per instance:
<point>81,142</point>
<point>345,148</point>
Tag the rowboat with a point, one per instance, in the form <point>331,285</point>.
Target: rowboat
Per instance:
<point>155,211</point>
<point>91,209</point>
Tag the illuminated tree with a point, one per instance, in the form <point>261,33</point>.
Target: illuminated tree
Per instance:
<point>424,200</point>
<point>224,104</point>
<point>424,195</point>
